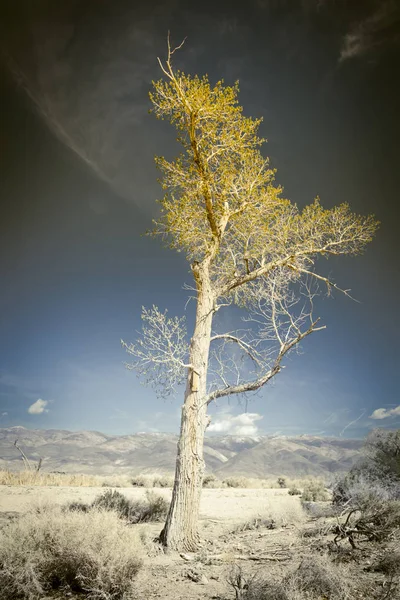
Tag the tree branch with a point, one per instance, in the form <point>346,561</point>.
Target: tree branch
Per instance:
<point>201,166</point>
<point>252,386</point>
<point>246,347</point>
<point>329,284</point>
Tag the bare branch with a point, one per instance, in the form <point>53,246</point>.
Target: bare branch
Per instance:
<point>160,353</point>
<point>246,347</point>
<point>278,323</point>
<point>252,386</point>
<point>24,458</point>
<point>328,282</point>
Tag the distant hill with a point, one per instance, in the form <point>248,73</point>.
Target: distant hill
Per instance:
<point>93,452</point>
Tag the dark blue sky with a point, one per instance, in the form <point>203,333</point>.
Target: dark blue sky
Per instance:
<point>78,189</point>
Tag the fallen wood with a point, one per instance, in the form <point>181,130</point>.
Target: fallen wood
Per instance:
<point>265,557</point>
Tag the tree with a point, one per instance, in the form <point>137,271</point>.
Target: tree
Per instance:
<point>247,247</point>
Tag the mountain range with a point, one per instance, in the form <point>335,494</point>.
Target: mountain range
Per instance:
<point>92,452</point>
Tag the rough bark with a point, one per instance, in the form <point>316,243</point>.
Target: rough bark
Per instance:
<point>181,527</point>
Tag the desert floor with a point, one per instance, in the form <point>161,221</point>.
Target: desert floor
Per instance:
<point>231,536</point>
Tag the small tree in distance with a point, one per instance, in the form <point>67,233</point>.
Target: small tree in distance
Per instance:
<point>246,246</point>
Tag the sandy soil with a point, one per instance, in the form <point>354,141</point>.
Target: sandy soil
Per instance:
<point>243,503</point>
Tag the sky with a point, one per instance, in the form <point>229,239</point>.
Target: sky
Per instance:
<point>78,191</point>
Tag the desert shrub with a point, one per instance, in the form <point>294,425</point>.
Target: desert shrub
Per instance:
<point>319,578</point>
<point>152,547</point>
<point>140,481</point>
<point>281,482</point>
<point>255,523</point>
<point>376,521</point>
<point>376,474</point>
<point>277,514</point>
<point>256,587</point>
<point>78,506</point>
<point>314,579</point>
<point>294,491</point>
<point>388,563</point>
<point>30,477</point>
<point>379,520</point>
<point>152,508</point>
<point>163,481</point>
<point>214,484</point>
<point>113,500</point>
<point>60,478</point>
<point>314,491</point>
<point>318,511</point>
<point>382,452</point>
<point>311,532</point>
<point>209,480</point>
<point>236,482</point>
<point>93,554</point>
<point>358,490</point>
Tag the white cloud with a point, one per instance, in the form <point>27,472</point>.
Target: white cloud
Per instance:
<point>38,407</point>
<point>372,32</point>
<point>384,413</point>
<point>243,424</point>
<point>4,414</point>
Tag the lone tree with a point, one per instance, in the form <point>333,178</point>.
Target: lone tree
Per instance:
<point>247,248</point>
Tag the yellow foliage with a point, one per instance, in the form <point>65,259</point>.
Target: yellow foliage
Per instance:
<point>221,203</point>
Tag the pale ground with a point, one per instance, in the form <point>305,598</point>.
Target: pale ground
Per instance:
<point>227,544</point>
<point>243,503</point>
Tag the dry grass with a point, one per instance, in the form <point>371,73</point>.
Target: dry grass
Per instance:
<point>316,578</point>
<point>267,484</point>
<point>57,479</point>
<point>147,480</point>
<point>95,554</point>
<point>151,480</point>
<point>287,511</point>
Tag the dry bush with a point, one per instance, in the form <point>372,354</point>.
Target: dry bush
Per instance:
<point>214,485</point>
<point>379,520</point>
<point>377,474</point>
<point>250,483</point>
<point>254,588</point>
<point>209,480</point>
<point>388,563</point>
<point>78,506</point>
<point>314,531</point>
<point>163,481</point>
<point>281,481</point>
<point>153,508</point>
<point>290,482</point>
<point>236,482</point>
<point>278,512</point>
<point>95,554</point>
<point>314,491</point>
<point>152,480</point>
<point>151,545</point>
<point>320,511</point>
<point>42,478</point>
<point>356,490</point>
<point>319,577</point>
<point>255,523</point>
<point>114,500</point>
<point>294,491</point>
<point>140,481</point>
<point>316,578</point>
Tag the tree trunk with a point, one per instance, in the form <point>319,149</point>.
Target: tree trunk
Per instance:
<point>181,527</point>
